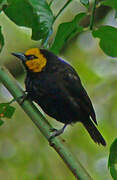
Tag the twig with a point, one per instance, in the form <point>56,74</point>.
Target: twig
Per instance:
<point>92,15</point>
<point>50,2</point>
<point>62,9</point>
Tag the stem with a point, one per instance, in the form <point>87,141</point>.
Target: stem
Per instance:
<point>39,120</point>
<point>92,15</point>
<point>12,100</point>
<point>50,3</point>
<point>62,9</point>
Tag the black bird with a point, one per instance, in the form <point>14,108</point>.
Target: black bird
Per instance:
<point>54,85</point>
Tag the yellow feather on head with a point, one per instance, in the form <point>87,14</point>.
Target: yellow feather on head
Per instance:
<point>37,64</point>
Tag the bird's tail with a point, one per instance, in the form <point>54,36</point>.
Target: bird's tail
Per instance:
<point>94,133</point>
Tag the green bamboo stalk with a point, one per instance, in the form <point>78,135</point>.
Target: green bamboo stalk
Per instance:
<point>39,120</point>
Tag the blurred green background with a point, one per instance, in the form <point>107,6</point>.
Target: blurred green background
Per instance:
<point>24,153</point>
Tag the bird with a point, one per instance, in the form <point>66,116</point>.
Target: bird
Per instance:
<point>55,86</point>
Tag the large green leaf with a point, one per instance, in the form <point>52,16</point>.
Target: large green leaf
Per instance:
<point>45,15</point>
<point>112,162</point>
<point>34,14</point>
<point>66,31</point>
<point>1,40</point>
<point>111,3</point>
<point>108,39</point>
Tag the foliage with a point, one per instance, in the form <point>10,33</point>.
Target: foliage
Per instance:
<point>35,14</point>
<point>112,162</point>
<point>65,32</point>
<point>6,110</point>
<point>39,17</point>
<point>108,39</point>
<point>111,3</point>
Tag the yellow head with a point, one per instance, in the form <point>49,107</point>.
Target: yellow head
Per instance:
<point>38,62</point>
<point>33,59</point>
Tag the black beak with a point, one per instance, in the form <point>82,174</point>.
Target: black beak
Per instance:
<point>20,56</point>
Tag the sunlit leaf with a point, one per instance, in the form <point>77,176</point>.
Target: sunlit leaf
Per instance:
<point>85,3</point>
<point>6,110</point>
<point>108,39</point>
<point>66,31</point>
<point>35,14</point>
<point>112,162</point>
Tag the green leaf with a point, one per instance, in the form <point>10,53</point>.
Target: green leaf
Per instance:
<point>112,161</point>
<point>3,4</point>
<point>1,40</point>
<point>6,110</point>
<point>35,14</point>
<point>110,3</point>
<point>1,122</point>
<point>85,3</point>
<point>108,39</point>
<point>66,31</point>
<point>45,15</point>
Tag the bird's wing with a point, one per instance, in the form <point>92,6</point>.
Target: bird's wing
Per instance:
<point>72,83</point>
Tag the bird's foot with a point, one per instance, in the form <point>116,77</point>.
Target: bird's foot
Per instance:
<point>57,132</point>
<point>22,98</point>
<point>53,129</point>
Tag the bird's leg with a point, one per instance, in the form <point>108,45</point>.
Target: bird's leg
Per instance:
<point>22,98</point>
<point>57,132</point>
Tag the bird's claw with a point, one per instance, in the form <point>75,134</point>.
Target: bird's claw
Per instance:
<point>55,133</point>
<point>53,129</point>
<point>22,98</point>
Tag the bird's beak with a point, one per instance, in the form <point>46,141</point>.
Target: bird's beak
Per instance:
<point>20,56</point>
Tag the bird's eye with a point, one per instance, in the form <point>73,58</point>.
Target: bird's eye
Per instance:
<point>29,57</point>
